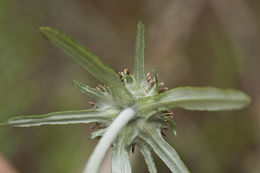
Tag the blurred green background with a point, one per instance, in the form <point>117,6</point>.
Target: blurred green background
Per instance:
<point>189,42</point>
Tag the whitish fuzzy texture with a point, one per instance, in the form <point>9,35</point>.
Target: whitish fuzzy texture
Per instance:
<point>101,149</point>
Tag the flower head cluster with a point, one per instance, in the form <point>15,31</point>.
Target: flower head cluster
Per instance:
<point>130,109</point>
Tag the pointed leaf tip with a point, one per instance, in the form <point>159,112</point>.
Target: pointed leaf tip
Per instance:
<point>140,24</point>
<point>42,28</point>
<point>45,29</point>
<point>76,83</point>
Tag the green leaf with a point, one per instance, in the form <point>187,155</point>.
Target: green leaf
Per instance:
<point>65,117</point>
<point>89,62</point>
<point>145,150</point>
<point>171,123</point>
<point>121,149</point>
<point>128,78</point>
<point>195,98</point>
<point>156,78</point>
<point>139,70</point>
<point>150,133</point>
<point>91,92</point>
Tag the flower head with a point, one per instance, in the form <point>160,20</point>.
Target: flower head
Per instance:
<point>130,109</point>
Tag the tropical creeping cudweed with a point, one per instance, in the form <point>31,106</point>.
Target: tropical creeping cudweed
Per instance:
<point>130,109</point>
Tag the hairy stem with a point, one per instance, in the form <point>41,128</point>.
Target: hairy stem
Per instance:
<point>105,142</point>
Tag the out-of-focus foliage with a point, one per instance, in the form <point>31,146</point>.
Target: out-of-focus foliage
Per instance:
<point>199,43</point>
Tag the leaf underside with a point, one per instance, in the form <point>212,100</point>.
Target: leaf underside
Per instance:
<point>139,70</point>
<point>89,62</point>
<point>151,134</point>
<point>91,92</point>
<point>65,117</point>
<point>195,98</point>
<point>145,150</point>
<point>121,148</point>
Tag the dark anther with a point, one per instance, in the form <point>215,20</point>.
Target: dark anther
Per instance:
<point>102,87</point>
<point>91,103</point>
<point>126,71</point>
<point>163,134</point>
<point>94,126</point>
<point>163,89</point>
<point>133,148</point>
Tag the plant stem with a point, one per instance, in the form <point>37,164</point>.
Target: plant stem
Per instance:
<point>105,142</point>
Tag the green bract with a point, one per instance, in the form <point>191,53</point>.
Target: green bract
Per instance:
<point>130,109</point>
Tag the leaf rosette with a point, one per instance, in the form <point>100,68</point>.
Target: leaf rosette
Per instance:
<point>130,109</point>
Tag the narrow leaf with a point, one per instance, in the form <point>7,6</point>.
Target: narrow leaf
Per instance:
<point>121,149</point>
<point>65,117</point>
<point>145,150</point>
<point>156,78</point>
<point>171,123</point>
<point>151,134</point>
<point>89,62</point>
<point>195,98</point>
<point>139,70</point>
<point>91,92</point>
<point>128,78</point>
